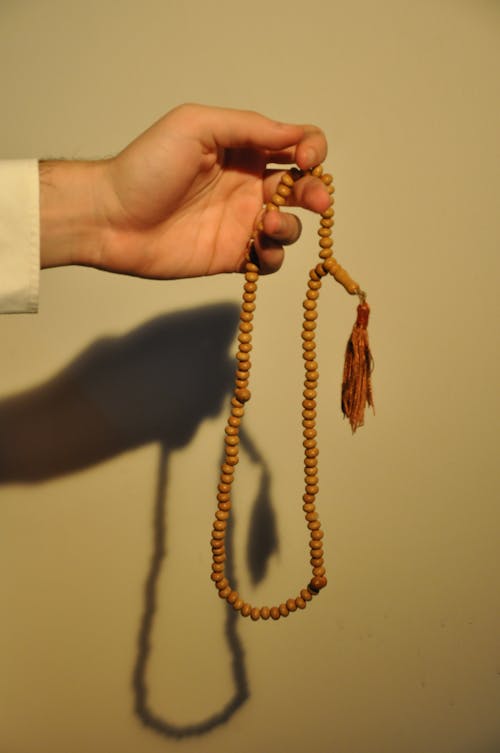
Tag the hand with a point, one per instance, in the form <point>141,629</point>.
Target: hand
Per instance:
<point>184,198</point>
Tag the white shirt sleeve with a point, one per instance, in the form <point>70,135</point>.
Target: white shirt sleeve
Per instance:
<point>19,236</point>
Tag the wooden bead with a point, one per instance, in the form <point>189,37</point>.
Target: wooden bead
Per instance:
<point>283,610</point>
<point>317,171</point>
<point>320,270</point>
<point>291,605</point>
<point>224,593</point>
<point>284,190</point>
<point>316,546</point>
<point>233,597</point>
<point>319,581</point>
<point>287,180</point>
<point>319,570</point>
<point>222,583</point>
<point>275,613</point>
<point>300,602</point>
<point>306,595</point>
<point>238,604</point>
<point>255,613</point>
<point>314,284</point>
<point>243,395</point>
<point>278,200</point>
<point>220,525</point>
<point>250,287</point>
<point>309,444</point>
<point>251,276</point>
<point>317,562</point>
<point>246,609</point>
<point>217,567</point>
<point>265,613</point>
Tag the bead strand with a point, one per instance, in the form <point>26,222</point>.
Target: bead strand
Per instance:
<point>241,395</point>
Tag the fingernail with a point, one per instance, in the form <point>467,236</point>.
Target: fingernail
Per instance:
<point>311,158</point>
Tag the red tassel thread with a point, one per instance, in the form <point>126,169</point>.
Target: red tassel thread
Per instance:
<point>358,366</point>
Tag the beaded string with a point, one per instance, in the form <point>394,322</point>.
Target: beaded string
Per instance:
<point>241,395</point>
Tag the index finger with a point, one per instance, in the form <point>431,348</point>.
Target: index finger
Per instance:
<point>310,151</point>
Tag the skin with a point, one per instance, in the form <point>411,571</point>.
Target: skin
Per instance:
<point>183,199</point>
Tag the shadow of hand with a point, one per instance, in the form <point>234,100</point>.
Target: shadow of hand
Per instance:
<point>157,383</point>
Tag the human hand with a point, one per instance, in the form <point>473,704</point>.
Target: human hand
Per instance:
<point>183,199</point>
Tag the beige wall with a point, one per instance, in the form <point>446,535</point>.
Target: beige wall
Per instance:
<point>401,654</point>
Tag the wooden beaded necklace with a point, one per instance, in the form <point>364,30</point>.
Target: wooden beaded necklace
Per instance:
<point>356,394</point>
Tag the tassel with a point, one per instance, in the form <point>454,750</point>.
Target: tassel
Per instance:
<point>358,366</point>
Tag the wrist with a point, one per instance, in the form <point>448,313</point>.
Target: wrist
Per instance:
<point>70,231</point>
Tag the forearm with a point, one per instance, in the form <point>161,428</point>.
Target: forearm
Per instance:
<point>70,227</point>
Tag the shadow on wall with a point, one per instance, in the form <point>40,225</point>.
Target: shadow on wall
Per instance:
<point>155,384</point>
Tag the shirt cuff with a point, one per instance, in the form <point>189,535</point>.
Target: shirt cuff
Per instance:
<point>19,236</point>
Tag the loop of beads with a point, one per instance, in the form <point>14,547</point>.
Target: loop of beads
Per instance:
<point>241,395</point>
